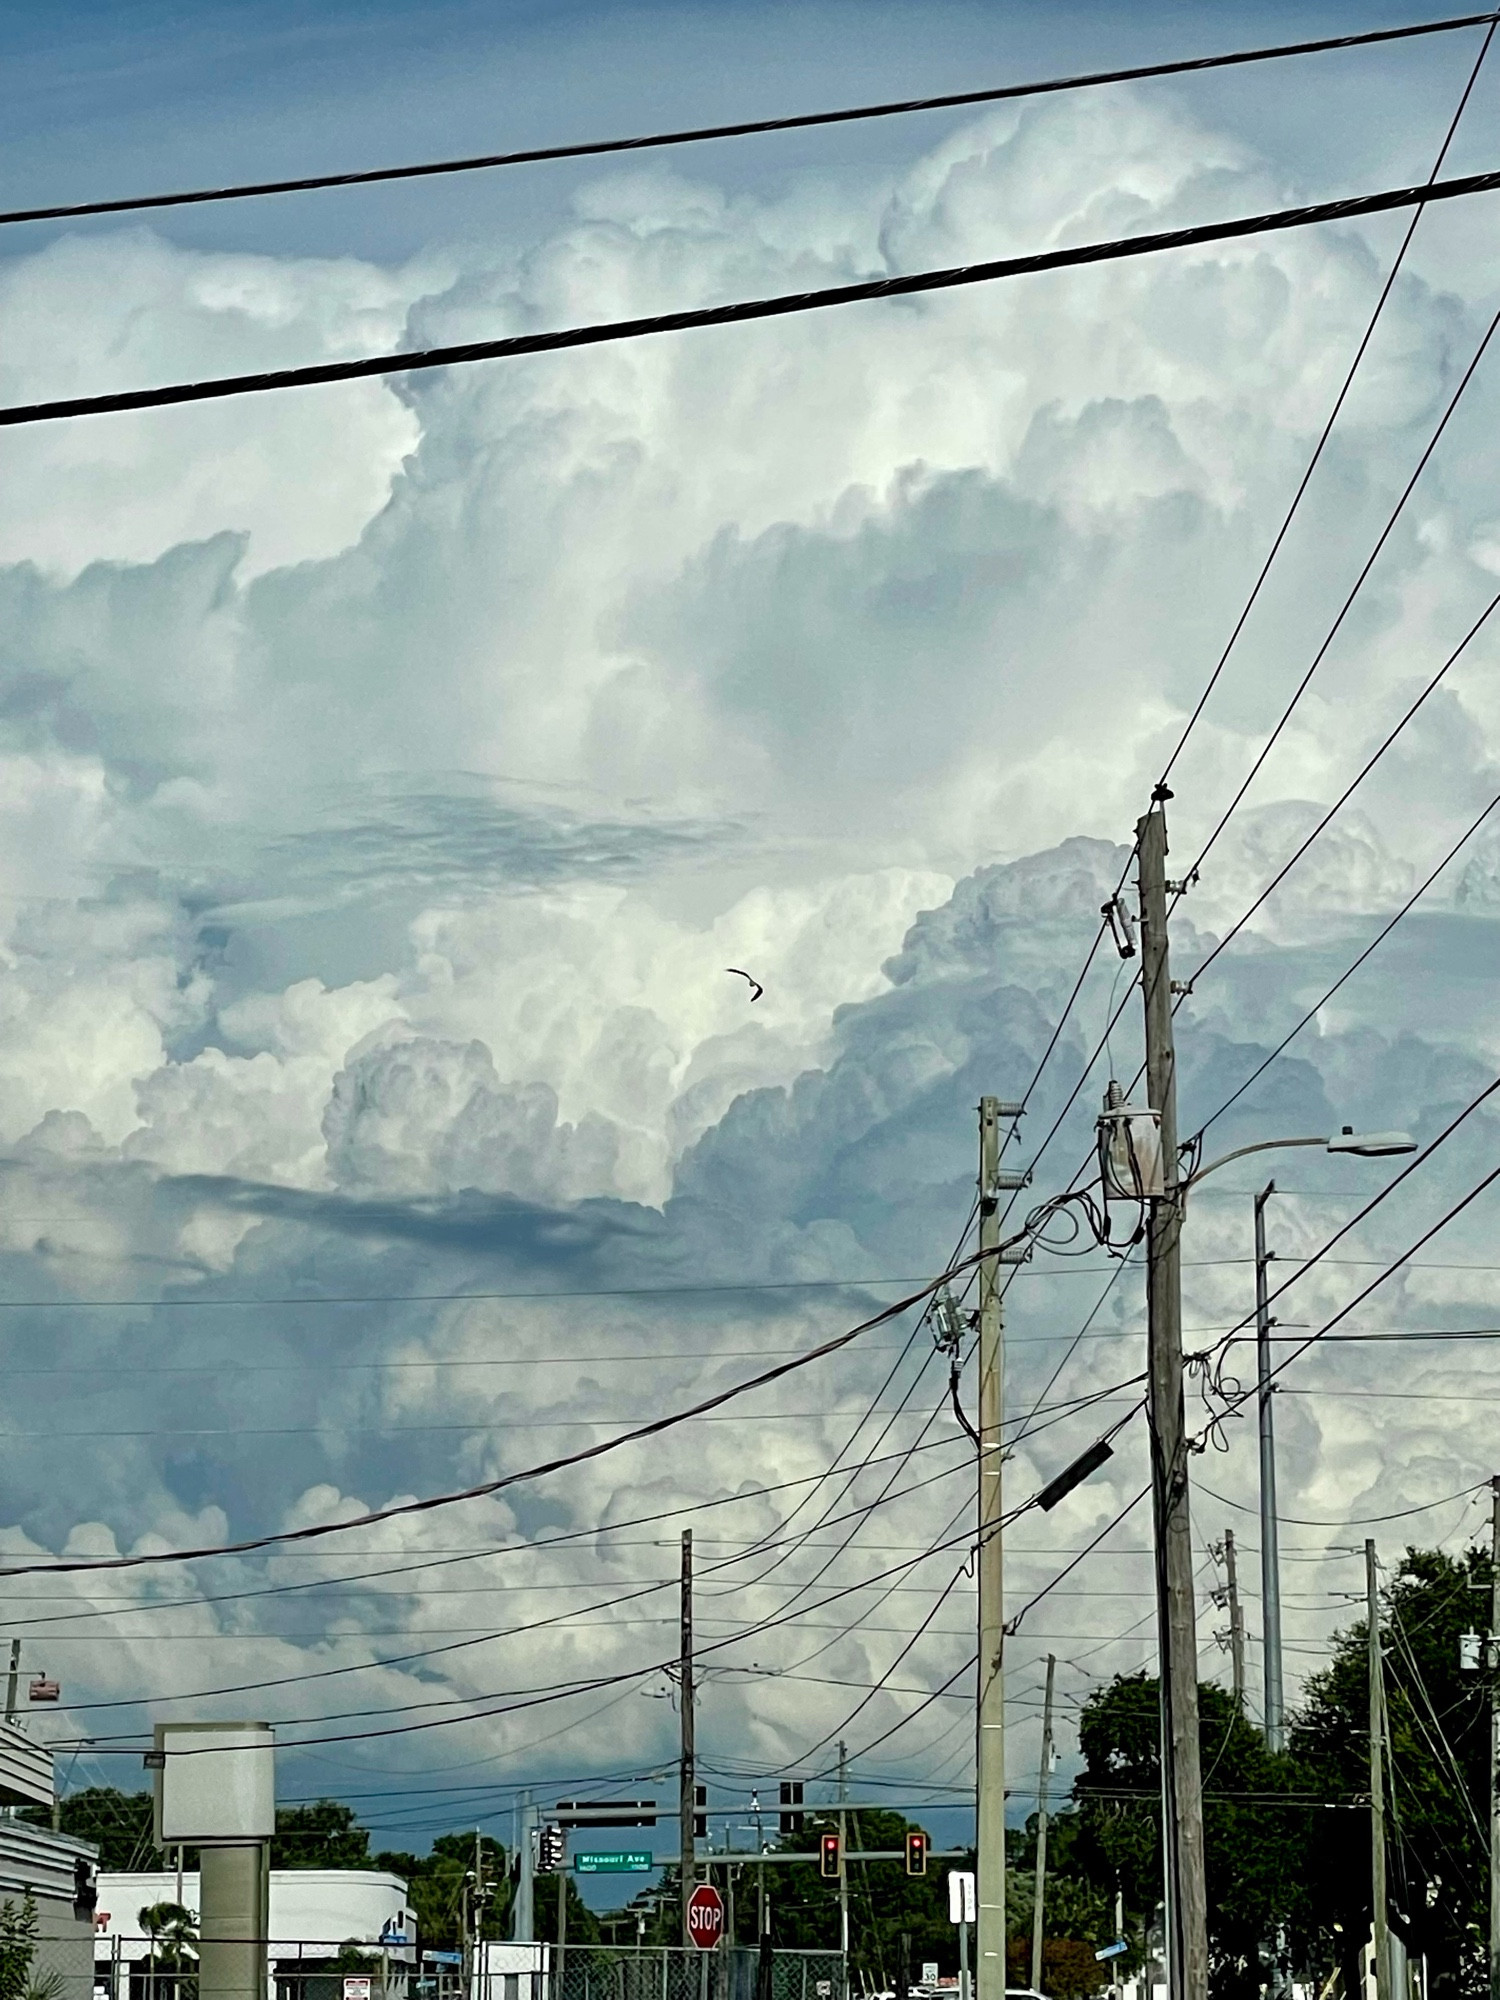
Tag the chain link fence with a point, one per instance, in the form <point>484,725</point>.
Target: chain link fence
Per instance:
<point>677,1972</point>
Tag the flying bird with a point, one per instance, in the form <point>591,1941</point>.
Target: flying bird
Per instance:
<point>756,988</point>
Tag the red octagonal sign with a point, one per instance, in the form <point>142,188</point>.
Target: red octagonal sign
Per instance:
<point>705,1916</point>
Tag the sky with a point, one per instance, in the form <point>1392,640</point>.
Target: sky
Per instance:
<point>392,771</point>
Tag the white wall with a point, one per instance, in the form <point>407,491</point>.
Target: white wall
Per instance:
<point>308,1906</point>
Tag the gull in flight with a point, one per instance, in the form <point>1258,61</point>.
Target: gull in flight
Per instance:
<point>756,988</point>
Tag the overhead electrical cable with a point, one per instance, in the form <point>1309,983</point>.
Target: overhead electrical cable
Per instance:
<point>1322,653</point>
<point>743,128</point>
<point>1382,1277</point>
<point>755,1628</point>
<point>1319,448</point>
<point>742,311</point>
<point>1379,939</point>
<point>483,1488</point>
<point>1279,539</point>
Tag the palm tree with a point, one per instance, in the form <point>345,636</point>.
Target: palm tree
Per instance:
<point>173,1932</point>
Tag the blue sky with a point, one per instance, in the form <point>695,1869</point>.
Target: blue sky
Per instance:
<point>388,775</point>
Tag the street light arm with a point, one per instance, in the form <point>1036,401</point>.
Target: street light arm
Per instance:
<point>1260,1146</point>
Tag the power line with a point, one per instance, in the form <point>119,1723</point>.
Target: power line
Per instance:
<point>742,311</point>
<point>1318,450</point>
<point>655,1428</point>
<point>1347,1520</point>
<point>744,128</point>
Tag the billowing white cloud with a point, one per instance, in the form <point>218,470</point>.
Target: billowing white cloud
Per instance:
<point>392,776</point>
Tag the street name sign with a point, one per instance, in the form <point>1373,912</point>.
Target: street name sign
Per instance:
<point>613,1864</point>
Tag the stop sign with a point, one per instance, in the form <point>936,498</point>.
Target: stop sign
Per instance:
<point>705,1916</point>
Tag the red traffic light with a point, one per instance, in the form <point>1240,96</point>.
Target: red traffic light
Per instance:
<point>916,1853</point>
<point>830,1857</point>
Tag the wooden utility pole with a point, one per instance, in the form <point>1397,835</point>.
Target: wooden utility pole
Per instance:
<point>687,1799</point>
<point>1492,1663</point>
<point>1043,1777</point>
<point>1177,1622</point>
<point>1381,1933</point>
<point>990,1703</point>
<point>1236,1622</point>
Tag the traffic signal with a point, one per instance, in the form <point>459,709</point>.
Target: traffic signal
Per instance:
<point>916,1853</point>
<point>830,1857</point>
<point>700,1819</point>
<point>791,1795</point>
<point>549,1850</point>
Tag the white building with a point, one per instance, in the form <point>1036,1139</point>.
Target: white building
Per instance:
<point>314,1913</point>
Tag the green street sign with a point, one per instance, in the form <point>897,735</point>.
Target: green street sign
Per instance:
<point>613,1864</point>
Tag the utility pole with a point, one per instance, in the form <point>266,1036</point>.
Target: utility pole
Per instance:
<point>990,1704</point>
<point>1042,1779</point>
<point>1382,1944</point>
<point>843,1855</point>
<point>10,1686</point>
<point>1270,1557</point>
<point>687,1803</point>
<point>1493,1663</point>
<point>523,1930</point>
<point>1236,1622</point>
<point>1177,1624</point>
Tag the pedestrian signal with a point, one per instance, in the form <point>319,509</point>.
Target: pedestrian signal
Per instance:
<point>830,1857</point>
<point>916,1853</point>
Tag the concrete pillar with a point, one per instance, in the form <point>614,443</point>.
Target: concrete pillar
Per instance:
<point>234,1893</point>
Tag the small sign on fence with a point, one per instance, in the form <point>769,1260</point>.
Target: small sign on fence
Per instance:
<point>356,1986</point>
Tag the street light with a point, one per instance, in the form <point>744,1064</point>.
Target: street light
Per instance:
<point>1364,1146</point>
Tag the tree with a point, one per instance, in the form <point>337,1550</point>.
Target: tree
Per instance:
<point>435,1886</point>
<point>173,1931</point>
<point>18,1935</point>
<point>1439,1776</point>
<point>324,1834</point>
<point>118,1823</point>
<point>1255,1822</point>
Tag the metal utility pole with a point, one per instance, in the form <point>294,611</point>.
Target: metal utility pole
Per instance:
<point>1177,1623</point>
<point>1493,1663</point>
<point>1042,1779</point>
<point>1270,1556</point>
<point>687,1804</point>
<point>523,1930</point>
<point>843,1854</point>
<point>1382,1942</point>
<point>990,1709</point>
<point>1236,1621</point>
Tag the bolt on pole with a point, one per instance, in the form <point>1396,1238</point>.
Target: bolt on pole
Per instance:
<point>1177,1623</point>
